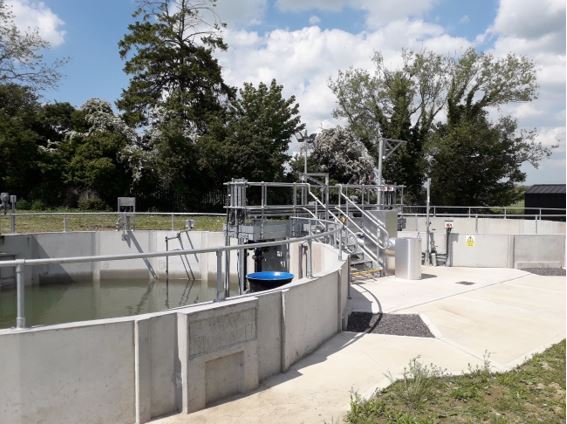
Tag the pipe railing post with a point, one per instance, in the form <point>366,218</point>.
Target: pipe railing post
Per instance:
<point>172,222</point>
<point>310,258</point>
<point>65,223</point>
<point>341,242</point>
<point>21,313</point>
<point>13,222</point>
<point>220,283</point>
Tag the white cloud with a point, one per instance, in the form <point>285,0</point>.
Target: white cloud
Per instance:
<point>529,18</point>
<point>31,15</point>
<point>537,30</point>
<point>303,60</point>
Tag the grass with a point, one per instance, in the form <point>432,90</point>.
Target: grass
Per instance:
<point>531,393</point>
<point>90,222</point>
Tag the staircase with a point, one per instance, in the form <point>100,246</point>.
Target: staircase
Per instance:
<point>363,246</point>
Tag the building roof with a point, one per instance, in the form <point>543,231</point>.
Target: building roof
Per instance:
<point>546,189</point>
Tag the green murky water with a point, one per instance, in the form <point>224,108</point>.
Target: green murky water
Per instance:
<point>58,303</point>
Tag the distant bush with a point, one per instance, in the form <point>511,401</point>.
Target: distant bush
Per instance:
<point>92,203</point>
<point>37,205</point>
<point>23,204</point>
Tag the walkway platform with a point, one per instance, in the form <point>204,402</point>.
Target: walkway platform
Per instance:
<point>505,315</point>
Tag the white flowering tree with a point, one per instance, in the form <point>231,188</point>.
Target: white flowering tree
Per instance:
<point>346,159</point>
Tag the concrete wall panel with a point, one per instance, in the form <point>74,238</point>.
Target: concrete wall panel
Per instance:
<point>68,374</point>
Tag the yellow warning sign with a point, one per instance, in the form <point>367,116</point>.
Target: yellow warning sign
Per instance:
<point>470,241</point>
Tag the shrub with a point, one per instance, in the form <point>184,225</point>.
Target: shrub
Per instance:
<point>37,205</point>
<point>92,203</point>
<point>23,204</point>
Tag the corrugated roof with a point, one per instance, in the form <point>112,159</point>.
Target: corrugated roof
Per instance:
<point>546,189</point>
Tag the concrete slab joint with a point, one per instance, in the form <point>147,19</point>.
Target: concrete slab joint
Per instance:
<point>218,352</point>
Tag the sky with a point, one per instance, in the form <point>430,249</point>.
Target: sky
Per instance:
<point>304,43</point>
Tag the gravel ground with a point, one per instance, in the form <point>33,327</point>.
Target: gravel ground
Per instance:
<point>393,324</point>
<point>546,271</point>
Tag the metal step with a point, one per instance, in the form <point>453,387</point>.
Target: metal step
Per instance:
<point>360,261</point>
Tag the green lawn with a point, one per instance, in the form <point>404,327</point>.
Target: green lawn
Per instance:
<point>531,393</point>
<point>90,222</point>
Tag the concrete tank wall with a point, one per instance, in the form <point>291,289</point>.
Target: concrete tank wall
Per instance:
<point>133,369</point>
<point>465,225</point>
<point>500,250</point>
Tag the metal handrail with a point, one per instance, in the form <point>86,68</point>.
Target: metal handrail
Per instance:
<point>370,217</point>
<point>20,264</point>
<point>337,220</point>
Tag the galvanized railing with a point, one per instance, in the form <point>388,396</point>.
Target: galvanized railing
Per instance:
<point>92,221</point>
<point>222,288</point>
<point>505,212</point>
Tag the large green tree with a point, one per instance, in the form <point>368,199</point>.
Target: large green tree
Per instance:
<point>253,143</point>
<point>95,152</point>
<point>406,103</point>
<point>173,73</point>
<point>476,161</point>
<point>398,103</point>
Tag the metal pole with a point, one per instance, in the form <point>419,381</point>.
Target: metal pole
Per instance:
<point>427,247</point>
<point>172,222</point>
<point>310,258</point>
<point>65,223</point>
<point>380,156</point>
<point>220,286</point>
<point>21,314</point>
<point>341,242</point>
<point>167,259</point>
<point>13,222</point>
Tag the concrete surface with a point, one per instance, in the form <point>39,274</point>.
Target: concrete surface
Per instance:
<point>505,316</point>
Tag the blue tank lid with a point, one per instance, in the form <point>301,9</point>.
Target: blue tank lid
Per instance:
<point>270,275</point>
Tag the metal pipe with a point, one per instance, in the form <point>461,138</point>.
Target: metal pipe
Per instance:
<point>427,223</point>
<point>64,223</point>
<point>172,222</point>
<point>310,258</point>
<point>220,288</point>
<point>21,291</point>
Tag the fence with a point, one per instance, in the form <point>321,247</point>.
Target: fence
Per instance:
<point>35,222</point>
<point>506,212</point>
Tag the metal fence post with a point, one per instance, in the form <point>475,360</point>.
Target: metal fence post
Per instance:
<point>64,223</point>
<point>310,258</point>
<point>220,284</point>
<point>172,222</point>
<point>21,313</point>
<point>341,242</point>
<point>13,223</point>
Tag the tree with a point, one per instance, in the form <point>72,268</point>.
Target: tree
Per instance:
<point>261,122</point>
<point>21,58</point>
<point>95,158</point>
<point>346,159</point>
<point>174,75</point>
<point>18,139</point>
<point>475,161</point>
<point>401,103</point>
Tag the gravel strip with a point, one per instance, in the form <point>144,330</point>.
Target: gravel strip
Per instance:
<point>546,271</point>
<point>392,324</point>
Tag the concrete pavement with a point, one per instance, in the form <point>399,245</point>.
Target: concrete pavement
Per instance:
<point>509,314</point>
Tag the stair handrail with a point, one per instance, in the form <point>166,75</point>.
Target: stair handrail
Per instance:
<point>372,219</point>
<point>337,220</point>
<point>371,236</point>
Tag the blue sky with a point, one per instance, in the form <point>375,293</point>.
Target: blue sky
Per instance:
<point>303,43</point>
